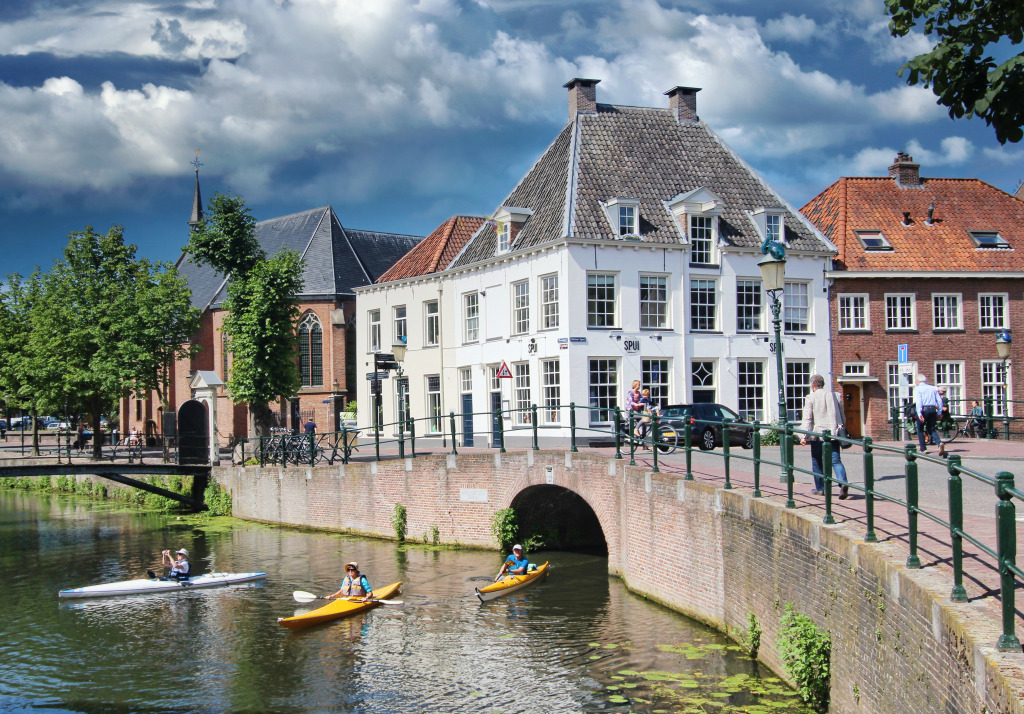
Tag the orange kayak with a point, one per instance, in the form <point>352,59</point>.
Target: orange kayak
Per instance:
<point>337,609</point>
<point>511,583</point>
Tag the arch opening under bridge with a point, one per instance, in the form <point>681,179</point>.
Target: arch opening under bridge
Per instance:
<point>561,518</point>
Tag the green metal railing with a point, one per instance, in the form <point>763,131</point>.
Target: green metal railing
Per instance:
<point>994,425</point>
<point>613,427</point>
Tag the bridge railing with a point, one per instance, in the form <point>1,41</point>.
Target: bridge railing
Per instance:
<point>615,428</point>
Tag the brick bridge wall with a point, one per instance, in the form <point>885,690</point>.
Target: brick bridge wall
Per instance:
<point>899,644</point>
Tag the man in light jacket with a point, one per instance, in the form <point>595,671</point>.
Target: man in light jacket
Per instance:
<point>821,412</point>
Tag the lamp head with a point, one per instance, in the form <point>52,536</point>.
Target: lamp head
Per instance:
<point>1003,341</point>
<point>398,349</point>
<point>773,272</point>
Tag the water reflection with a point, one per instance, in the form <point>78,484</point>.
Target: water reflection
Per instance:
<point>577,642</point>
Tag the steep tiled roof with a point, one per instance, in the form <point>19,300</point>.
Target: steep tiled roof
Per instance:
<point>961,205</point>
<point>435,252</point>
<point>640,153</point>
<point>336,259</point>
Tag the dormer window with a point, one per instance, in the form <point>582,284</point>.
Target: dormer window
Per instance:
<point>873,240</point>
<point>504,229</point>
<point>988,239</point>
<point>773,226</point>
<point>624,217</point>
<point>508,221</point>
<point>771,223</point>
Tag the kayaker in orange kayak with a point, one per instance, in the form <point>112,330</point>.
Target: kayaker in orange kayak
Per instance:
<point>515,564</point>
<point>355,584</point>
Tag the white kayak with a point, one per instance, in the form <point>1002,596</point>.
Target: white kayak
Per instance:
<point>151,585</point>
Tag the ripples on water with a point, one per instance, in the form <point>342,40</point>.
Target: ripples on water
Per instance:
<point>578,642</point>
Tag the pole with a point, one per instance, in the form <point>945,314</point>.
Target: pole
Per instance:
<point>783,417</point>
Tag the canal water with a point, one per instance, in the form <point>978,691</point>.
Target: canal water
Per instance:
<point>577,642</point>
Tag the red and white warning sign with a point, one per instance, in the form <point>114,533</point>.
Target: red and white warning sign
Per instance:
<point>504,372</point>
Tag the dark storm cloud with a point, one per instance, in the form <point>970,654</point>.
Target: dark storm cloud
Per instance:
<point>124,70</point>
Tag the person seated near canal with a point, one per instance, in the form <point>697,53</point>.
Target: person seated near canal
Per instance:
<point>355,585</point>
<point>179,565</point>
<point>515,564</point>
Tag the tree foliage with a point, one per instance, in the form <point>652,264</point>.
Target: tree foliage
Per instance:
<point>968,68</point>
<point>261,306</point>
<point>22,361</point>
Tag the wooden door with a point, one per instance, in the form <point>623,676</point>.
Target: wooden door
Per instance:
<point>851,409</point>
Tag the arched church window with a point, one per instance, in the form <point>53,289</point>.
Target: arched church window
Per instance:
<point>311,353</point>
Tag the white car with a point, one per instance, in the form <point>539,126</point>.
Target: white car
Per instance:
<point>55,425</point>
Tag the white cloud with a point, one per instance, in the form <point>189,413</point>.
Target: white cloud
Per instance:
<point>1005,155</point>
<point>954,150</point>
<point>788,27</point>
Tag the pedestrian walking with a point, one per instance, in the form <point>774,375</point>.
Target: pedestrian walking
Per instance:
<point>821,412</point>
<point>928,403</point>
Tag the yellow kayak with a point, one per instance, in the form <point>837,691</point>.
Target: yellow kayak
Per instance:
<point>337,609</point>
<point>511,583</point>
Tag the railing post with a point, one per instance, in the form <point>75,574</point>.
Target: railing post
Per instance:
<point>401,438</point>
<point>572,427</point>
<point>451,418</point>
<point>826,471</point>
<point>412,437</point>
<point>725,452</point>
<point>990,422</point>
<point>1006,541</point>
<point>1006,428</point>
<point>500,419</point>
<point>618,432</point>
<point>869,491</point>
<point>312,448</point>
<point>344,444</point>
<point>895,424</point>
<point>533,412</point>
<point>632,440</point>
<point>654,442</point>
<point>262,447</point>
<point>787,463</point>
<point>756,440</point>
<point>376,440</point>
<point>956,527</point>
<point>688,442</point>
<point>913,561</point>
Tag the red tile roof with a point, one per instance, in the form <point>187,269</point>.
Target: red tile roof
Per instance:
<point>961,205</point>
<point>435,252</point>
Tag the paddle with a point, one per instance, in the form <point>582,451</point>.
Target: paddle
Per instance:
<point>302,596</point>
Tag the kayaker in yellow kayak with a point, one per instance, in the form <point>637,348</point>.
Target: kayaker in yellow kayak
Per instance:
<point>355,584</point>
<point>515,564</point>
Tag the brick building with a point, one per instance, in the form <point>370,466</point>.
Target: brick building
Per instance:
<point>930,263</point>
<point>336,260</point>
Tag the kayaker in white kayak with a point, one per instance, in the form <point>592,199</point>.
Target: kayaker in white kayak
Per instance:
<point>179,565</point>
<point>355,584</point>
<point>515,564</point>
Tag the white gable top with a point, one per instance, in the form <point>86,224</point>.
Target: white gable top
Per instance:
<point>699,200</point>
<point>206,379</point>
<point>511,213</point>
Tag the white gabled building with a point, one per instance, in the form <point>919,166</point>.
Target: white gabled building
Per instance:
<point>628,251</point>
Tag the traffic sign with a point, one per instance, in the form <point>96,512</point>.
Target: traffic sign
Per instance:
<point>504,372</point>
<point>903,353</point>
<point>377,375</point>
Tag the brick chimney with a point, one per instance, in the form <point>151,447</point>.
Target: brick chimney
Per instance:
<point>682,101</point>
<point>582,96</point>
<point>905,171</point>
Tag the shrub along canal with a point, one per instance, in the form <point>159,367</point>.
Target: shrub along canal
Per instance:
<point>578,642</point>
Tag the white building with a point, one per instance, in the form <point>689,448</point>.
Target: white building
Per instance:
<point>628,251</point>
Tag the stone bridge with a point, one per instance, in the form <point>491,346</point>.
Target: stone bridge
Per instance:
<point>715,554</point>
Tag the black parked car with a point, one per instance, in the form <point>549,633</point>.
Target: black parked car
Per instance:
<point>709,435</point>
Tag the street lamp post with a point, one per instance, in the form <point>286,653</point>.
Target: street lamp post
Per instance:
<point>398,350</point>
<point>773,277</point>
<point>1003,341</point>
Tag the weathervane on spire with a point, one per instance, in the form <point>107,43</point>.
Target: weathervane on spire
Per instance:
<point>196,162</point>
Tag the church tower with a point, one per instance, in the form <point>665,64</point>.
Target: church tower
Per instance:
<point>197,199</point>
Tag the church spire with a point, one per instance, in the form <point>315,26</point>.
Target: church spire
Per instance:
<point>197,199</point>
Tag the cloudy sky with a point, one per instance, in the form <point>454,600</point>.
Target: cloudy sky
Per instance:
<point>400,113</point>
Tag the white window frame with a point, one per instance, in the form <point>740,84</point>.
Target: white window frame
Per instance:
<point>624,216</point>
<point>950,374</point>
<point>548,301</point>
<point>988,239</point>
<point>873,240</point>
<point>431,323</point>
<point>466,380</point>
<point>702,231</point>
<point>471,317</point>
<point>947,312</point>
<point>521,394</point>
<point>992,379</point>
<point>551,386</point>
<point>520,307</point>
<point>751,393</point>
<point>992,316</point>
<point>605,391</point>
<point>655,374</point>
<point>749,311</point>
<point>373,330</point>
<point>433,391</point>
<point>892,375</point>
<point>854,315</point>
<point>400,317</point>
<point>894,307</point>
<point>856,369</point>
<point>504,231</point>
<point>796,307</point>
<point>654,311</point>
<point>796,391</point>
<point>602,320</point>
<point>708,320</point>
<point>704,378</point>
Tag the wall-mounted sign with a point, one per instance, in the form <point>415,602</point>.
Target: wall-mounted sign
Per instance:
<point>631,345</point>
<point>582,340</point>
<point>562,340</point>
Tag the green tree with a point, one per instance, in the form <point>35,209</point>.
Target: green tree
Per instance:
<point>962,67</point>
<point>22,352</point>
<point>261,306</point>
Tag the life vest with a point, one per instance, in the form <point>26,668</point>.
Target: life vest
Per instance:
<point>354,588</point>
<point>180,571</point>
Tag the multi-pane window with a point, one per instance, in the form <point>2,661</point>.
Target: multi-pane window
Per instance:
<point>431,323</point>
<point>773,226</point>
<point>401,329</point>
<point>796,301</point>
<point>895,402</point>
<point>950,376</point>
<point>899,312</point>
<point>311,353</point>
<point>494,379</point>
<point>521,392</point>
<point>603,383</point>
<point>471,317</point>
<point>627,221</point>
<point>373,336</point>
<point>466,380</point>
<point>654,375</point>
<point>549,302</point>
<point>748,305</point>
<point>552,391</point>
<point>798,384</point>
<point>402,404</point>
<point>504,229</point>
<point>520,307</point>
<point>600,300</point>
<point>434,423</point>
<point>703,304</point>
<point>945,312</point>
<point>701,240</point>
<point>853,312</point>
<point>750,375</point>
<point>994,386</point>
<point>653,302</point>
<point>992,311</point>
<point>702,381</point>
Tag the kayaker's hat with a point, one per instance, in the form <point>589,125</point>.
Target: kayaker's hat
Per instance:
<point>352,566</point>
<point>182,552</point>
<point>517,547</point>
